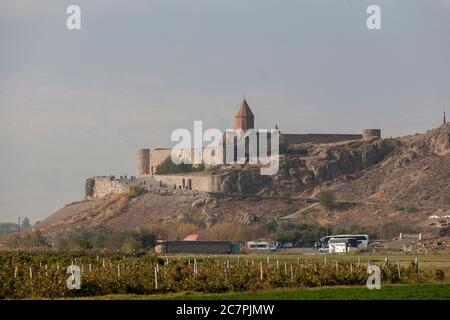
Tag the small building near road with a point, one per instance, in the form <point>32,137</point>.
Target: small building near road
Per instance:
<point>193,246</point>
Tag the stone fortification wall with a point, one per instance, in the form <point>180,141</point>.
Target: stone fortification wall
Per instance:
<point>186,181</point>
<point>106,186</point>
<point>319,138</point>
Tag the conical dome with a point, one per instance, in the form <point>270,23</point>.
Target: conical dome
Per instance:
<point>244,118</point>
<point>244,110</point>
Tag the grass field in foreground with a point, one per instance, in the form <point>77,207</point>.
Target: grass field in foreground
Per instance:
<point>390,292</point>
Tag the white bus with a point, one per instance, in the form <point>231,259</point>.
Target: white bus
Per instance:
<point>362,239</point>
<point>338,245</point>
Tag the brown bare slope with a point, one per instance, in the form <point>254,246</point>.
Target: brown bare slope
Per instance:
<point>164,208</point>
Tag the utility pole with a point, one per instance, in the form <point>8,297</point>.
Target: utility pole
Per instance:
<point>445,120</point>
<point>18,228</point>
<point>328,223</point>
<point>381,225</point>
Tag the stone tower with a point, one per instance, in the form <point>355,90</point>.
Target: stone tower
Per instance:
<point>142,162</point>
<point>244,118</point>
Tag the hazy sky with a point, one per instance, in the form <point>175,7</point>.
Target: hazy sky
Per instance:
<point>74,104</point>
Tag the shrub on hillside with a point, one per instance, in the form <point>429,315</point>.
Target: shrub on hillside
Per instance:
<point>135,190</point>
<point>327,199</point>
<point>303,233</point>
<point>85,245</point>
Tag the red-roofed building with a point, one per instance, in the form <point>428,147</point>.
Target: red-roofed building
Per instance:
<point>192,237</point>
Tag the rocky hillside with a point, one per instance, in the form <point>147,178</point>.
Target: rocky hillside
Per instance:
<point>415,173</point>
<point>411,170</point>
<point>169,210</point>
<point>401,179</point>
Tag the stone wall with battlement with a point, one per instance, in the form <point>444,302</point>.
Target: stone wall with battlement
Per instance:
<point>105,186</point>
<point>147,160</point>
<point>318,138</point>
<point>203,183</point>
<point>294,138</point>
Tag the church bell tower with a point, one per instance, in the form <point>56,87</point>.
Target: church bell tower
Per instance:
<point>244,118</point>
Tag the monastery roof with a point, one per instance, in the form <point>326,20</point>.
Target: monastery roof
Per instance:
<point>244,110</point>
